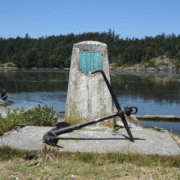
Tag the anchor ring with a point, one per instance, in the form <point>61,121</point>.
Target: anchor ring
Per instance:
<point>134,107</point>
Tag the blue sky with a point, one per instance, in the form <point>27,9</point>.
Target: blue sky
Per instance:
<point>128,18</point>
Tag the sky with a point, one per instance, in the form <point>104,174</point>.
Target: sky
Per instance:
<point>128,18</point>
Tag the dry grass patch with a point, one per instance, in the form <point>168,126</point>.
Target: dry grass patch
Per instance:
<point>51,164</point>
<point>68,169</point>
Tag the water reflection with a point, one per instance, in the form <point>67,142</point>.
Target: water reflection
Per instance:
<point>147,87</point>
<point>153,94</point>
<point>174,126</point>
<point>31,81</point>
<point>26,99</point>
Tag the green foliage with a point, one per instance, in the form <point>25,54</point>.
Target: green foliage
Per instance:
<point>41,116</point>
<point>55,51</point>
<point>150,63</point>
<point>177,62</point>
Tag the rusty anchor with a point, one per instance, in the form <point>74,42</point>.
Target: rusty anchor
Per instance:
<point>51,137</point>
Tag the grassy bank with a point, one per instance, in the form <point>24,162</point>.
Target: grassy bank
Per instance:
<point>51,164</point>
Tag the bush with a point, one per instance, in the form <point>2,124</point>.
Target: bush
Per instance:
<point>41,116</point>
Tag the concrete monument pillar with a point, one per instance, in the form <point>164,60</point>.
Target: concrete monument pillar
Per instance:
<point>88,96</point>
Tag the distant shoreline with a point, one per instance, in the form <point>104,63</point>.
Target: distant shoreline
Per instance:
<point>132,69</point>
<point>6,68</point>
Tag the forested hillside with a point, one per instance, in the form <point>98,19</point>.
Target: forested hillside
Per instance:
<point>55,51</point>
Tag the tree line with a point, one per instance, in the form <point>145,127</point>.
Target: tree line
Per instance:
<point>55,51</point>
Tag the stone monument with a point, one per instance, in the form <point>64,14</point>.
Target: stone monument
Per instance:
<point>88,96</point>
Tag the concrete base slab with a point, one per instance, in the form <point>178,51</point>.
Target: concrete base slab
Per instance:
<point>147,141</point>
<point>26,138</point>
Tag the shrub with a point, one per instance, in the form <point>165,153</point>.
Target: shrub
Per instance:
<point>41,116</point>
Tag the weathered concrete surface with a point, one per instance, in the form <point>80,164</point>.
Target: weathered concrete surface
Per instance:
<point>147,141</point>
<point>27,138</point>
<point>92,138</point>
<point>88,96</point>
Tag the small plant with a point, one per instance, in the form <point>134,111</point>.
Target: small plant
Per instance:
<point>42,116</point>
<point>42,156</point>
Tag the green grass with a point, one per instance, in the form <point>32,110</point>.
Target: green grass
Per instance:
<point>41,116</point>
<point>136,159</point>
<point>7,153</point>
<point>51,164</point>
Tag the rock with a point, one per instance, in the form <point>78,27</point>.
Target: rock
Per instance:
<point>150,69</point>
<point>128,69</point>
<point>140,69</point>
<point>55,117</point>
<point>132,120</point>
<point>162,64</point>
<point>119,68</point>
<point>163,68</point>
<point>31,108</point>
<point>172,67</point>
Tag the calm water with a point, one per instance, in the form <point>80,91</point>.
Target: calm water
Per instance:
<point>167,125</point>
<point>153,94</point>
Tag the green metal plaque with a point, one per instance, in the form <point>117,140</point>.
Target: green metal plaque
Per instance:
<point>90,61</point>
